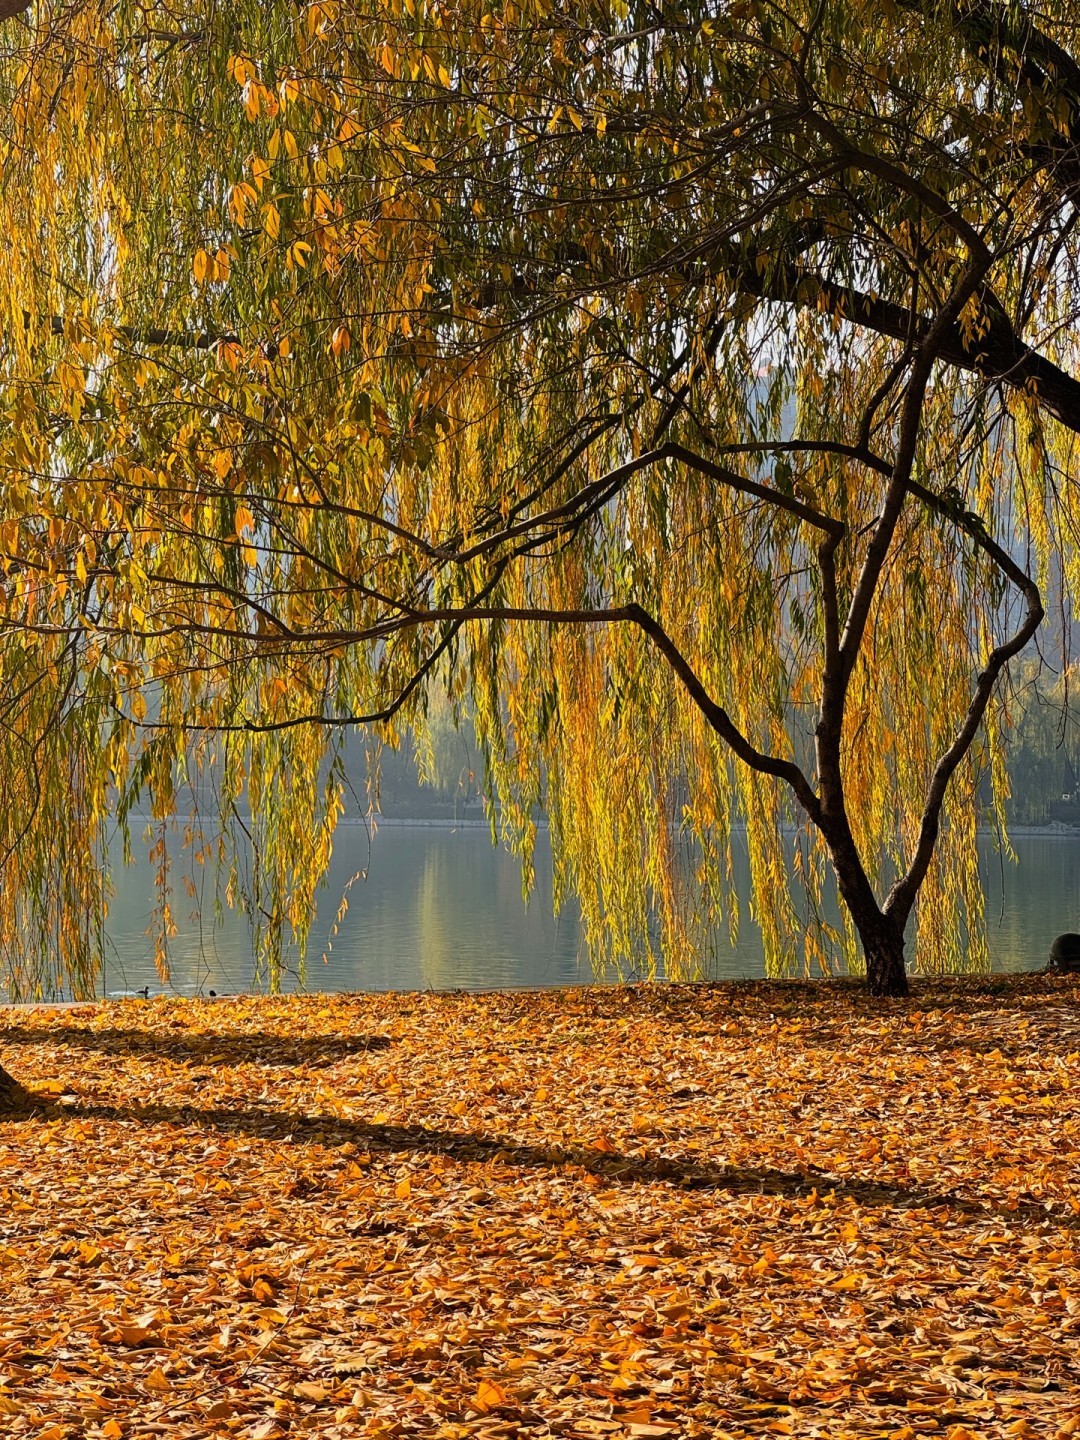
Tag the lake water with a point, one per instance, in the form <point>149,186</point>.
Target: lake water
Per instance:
<point>441,909</point>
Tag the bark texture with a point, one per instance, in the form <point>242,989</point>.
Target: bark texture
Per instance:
<point>883,945</point>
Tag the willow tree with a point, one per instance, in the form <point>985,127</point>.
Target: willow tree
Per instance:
<point>689,389</point>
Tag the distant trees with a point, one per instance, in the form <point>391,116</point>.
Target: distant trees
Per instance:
<point>1044,744</point>
<point>695,388</point>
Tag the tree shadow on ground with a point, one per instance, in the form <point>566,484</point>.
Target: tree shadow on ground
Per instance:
<point>613,1167</point>
<point>236,1048</point>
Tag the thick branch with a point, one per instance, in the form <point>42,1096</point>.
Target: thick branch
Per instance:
<point>910,421</point>
<point>998,355</point>
<point>720,720</point>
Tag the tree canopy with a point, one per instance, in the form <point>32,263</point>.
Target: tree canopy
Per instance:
<point>692,389</point>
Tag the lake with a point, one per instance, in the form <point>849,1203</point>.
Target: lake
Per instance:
<point>441,909</point>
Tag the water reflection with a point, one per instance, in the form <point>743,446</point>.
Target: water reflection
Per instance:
<point>438,909</point>
<point>441,909</point>
<point>1028,903</point>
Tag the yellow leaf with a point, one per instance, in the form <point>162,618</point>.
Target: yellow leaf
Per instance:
<point>847,1282</point>
<point>244,520</point>
<point>158,1381</point>
<point>271,221</point>
<point>239,198</point>
<point>488,1396</point>
<point>310,1390</point>
<point>135,1334</point>
<point>403,1189</point>
<point>340,340</point>
<point>112,1430</point>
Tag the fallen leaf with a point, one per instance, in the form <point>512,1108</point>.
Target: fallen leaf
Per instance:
<point>488,1396</point>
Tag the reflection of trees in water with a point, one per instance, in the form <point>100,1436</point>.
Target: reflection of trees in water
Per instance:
<point>1041,898</point>
<point>470,924</point>
<point>444,911</point>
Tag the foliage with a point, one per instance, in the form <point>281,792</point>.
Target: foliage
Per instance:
<point>694,387</point>
<point>739,1211</point>
<point>1044,757</point>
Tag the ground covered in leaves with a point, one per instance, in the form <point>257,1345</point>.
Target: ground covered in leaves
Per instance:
<point>685,1211</point>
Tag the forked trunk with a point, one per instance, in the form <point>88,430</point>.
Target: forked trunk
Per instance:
<point>882,936</point>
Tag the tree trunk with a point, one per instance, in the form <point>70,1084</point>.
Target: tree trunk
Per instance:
<point>881,935</point>
<point>886,973</point>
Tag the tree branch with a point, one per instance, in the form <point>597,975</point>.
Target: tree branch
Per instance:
<point>998,355</point>
<point>901,897</point>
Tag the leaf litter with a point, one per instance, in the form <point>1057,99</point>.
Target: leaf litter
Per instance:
<point>733,1210</point>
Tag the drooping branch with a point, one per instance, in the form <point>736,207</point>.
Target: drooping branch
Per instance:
<point>902,896</point>
<point>721,721</point>
<point>455,617</point>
